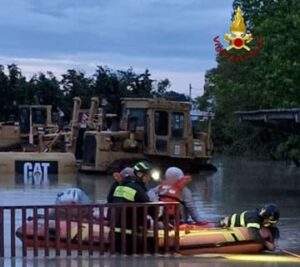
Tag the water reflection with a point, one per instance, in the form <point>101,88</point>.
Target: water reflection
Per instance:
<point>237,185</point>
<point>146,261</point>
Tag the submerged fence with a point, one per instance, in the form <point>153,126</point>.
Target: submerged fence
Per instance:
<point>56,230</point>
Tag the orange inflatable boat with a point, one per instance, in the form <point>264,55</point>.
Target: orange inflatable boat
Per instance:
<point>193,239</point>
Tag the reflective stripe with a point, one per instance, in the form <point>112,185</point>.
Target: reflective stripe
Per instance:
<point>125,192</point>
<point>228,237</point>
<point>232,220</point>
<point>253,225</point>
<point>136,168</point>
<point>238,234</point>
<point>127,231</point>
<point>143,165</point>
<point>242,219</point>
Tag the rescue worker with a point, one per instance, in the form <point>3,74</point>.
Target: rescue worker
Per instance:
<point>174,186</point>
<point>119,177</point>
<point>132,188</point>
<point>257,220</point>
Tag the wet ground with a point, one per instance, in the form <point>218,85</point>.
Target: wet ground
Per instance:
<point>237,185</point>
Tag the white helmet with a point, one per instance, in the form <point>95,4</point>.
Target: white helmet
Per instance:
<point>173,173</point>
<point>127,172</point>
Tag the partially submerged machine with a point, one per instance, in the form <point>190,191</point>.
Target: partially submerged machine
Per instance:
<point>26,143</point>
<point>155,129</point>
<point>34,125</point>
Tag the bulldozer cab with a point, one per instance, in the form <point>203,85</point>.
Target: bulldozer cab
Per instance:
<point>41,116</point>
<point>164,125</point>
<point>154,129</point>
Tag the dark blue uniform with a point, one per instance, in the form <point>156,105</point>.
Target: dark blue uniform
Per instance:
<point>252,220</point>
<point>129,190</point>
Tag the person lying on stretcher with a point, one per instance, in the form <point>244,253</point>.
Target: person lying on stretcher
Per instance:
<point>261,221</point>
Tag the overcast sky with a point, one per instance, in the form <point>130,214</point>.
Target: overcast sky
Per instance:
<point>172,38</point>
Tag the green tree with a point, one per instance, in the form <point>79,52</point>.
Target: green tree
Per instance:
<point>269,80</point>
<point>75,83</point>
<point>3,93</point>
<point>162,87</point>
<point>45,88</point>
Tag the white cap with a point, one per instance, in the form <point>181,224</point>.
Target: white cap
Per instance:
<point>173,173</point>
<point>126,172</point>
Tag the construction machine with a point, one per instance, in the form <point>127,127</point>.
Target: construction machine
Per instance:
<point>154,129</point>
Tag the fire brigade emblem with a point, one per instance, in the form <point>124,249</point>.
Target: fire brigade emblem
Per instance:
<point>238,38</point>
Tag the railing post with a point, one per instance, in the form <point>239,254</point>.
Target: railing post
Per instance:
<point>12,232</point>
<point>79,227</point>
<point>145,229</point>
<point>166,228</point>
<point>177,221</point>
<point>46,231</point>
<point>101,229</point>
<point>155,228</point>
<point>1,233</point>
<point>57,231</point>
<point>90,223</point>
<point>134,230</point>
<point>112,248</point>
<point>35,232</point>
<point>24,230</point>
<point>123,229</point>
<point>68,222</point>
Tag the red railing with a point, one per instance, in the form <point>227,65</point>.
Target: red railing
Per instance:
<point>88,229</point>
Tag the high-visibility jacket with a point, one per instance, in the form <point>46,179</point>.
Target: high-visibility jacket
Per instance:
<point>171,191</point>
<point>253,221</point>
<point>129,190</point>
<point>250,219</point>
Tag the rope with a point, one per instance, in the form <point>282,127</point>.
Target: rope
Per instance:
<point>290,253</point>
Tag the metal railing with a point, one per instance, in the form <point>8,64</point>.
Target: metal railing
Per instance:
<point>55,230</point>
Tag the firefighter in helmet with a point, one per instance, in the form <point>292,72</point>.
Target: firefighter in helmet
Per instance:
<point>259,219</point>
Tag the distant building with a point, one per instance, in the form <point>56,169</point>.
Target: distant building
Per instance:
<point>197,114</point>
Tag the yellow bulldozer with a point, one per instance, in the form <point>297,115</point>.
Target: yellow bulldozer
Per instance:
<point>155,129</point>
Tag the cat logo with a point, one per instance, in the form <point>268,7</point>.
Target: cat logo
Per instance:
<point>36,171</point>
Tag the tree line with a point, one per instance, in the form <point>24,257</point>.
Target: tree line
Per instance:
<point>271,79</point>
<point>48,89</point>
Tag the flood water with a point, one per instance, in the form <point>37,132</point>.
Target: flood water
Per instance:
<point>238,185</point>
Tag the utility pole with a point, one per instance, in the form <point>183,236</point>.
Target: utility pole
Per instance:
<point>190,92</point>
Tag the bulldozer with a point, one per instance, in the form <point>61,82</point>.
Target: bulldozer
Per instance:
<point>15,135</point>
<point>33,131</point>
<point>34,147</point>
<point>153,129</point>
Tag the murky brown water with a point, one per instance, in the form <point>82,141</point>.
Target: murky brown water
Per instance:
<point>237,185</point>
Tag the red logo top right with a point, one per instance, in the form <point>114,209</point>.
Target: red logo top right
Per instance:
<point>239,39</point>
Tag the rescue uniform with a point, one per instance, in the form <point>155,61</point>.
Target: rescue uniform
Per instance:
<point>249,219</point>
<point>129,190</point>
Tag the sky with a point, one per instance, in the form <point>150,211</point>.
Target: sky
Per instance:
<point>171,38</point>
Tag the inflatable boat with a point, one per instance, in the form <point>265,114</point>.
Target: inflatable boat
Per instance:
<point>193,239</point>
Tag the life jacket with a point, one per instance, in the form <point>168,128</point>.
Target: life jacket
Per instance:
<point>171,191</point>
